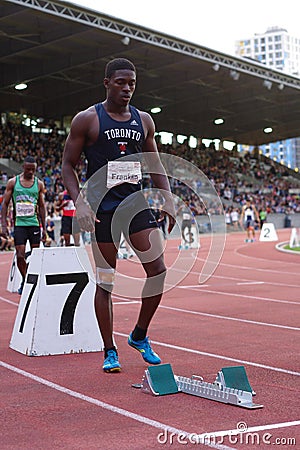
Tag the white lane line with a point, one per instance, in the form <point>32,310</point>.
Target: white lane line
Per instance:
<point>196,287</point>
<point>188,311</point>
<point>227,278</point>
<point>9,301</point>
<point>126,303</point>
<point>257,269</point>
<point>272,283</point>
<point>107,406</point>
<point>255,258</point>
<point>214,355</point>
<point>250,282</point>
<point>216,316</point>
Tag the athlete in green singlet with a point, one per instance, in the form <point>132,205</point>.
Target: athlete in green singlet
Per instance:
<point>27,193</point>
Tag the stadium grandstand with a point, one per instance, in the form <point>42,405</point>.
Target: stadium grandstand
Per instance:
<point>59,51</point>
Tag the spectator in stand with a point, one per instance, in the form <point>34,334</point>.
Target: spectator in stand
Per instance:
<point>227,218</point>
<point>270,185</point>
<point>235,218</point>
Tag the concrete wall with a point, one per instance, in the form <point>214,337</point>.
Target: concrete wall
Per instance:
<point>279,221</point>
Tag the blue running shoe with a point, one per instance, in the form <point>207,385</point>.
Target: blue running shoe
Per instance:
<point>20,290</point>
<point>111,362</point>
<point>145,349</point>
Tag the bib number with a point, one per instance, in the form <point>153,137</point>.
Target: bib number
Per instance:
<point>123,172</point>
<point>24,210</point>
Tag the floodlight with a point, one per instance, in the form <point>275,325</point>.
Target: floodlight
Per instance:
<point>156,110</point>
<point>218,121</point>
<point>234,75</point>
<point>268,130</point>
<point>267,84</point>
<point>21,86</point>
<point>125,40</point>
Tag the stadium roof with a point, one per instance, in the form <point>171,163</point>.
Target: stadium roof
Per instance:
<point>60,51</point>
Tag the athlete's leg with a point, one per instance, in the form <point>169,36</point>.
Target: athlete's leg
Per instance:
<point>67,239</point>
<point>76,238</point>
<point>148,246</point>
<point>66,229</point>
<point>105,244</point>
<point>20,236</point>
<point>21,262</point>
<point>105,256</point>
<point>76,232</point>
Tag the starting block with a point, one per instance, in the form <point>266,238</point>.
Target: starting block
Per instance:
<point>159,380</point>
<point>231,385</point>
<point>191,239</point>
<point>234,378</point>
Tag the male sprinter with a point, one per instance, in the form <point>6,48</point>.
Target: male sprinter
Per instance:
<point>248,217</point>
<point>105,132</point>
<point>27,193</point>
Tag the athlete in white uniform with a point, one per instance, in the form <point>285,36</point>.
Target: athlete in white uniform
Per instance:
<point>248,217</point>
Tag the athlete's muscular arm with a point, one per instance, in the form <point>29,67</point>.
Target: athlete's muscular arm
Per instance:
<point>42,209</point>
<point>6,199</point>
<point>79,135</point>
<point>158,174</point>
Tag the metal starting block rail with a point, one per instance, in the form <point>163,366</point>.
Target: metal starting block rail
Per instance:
<point>211,391</point>
<point>160,380</point>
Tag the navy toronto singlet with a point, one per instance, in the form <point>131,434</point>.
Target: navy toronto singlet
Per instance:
<point>116,140</point>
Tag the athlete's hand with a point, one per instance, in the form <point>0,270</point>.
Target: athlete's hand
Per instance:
<point>85,216</point>
<point>44,236</point>
<point>169,210</point>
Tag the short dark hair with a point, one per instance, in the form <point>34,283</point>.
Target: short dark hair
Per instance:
<point>118,64</point>
<point>30,159</point>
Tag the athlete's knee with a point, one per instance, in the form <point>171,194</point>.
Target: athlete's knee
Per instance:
<point>105,278</point>
<point>20,253</point>
<point>157,268</point>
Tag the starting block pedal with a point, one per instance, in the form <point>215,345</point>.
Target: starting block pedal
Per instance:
<point>231,385</point>
<point>159,380</point>
<point>235,378</point>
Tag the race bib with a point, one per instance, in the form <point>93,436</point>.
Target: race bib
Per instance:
<point>119,172</point>
<point>186,216</point>
<point>24,209</point>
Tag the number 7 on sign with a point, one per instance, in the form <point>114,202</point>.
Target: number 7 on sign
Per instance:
<point>31,279</point>
<point>80,279</point>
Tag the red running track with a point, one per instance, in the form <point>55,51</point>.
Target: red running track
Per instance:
<point>247,314</point>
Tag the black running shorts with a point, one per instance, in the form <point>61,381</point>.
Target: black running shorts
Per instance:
<point>112,224</point>
<point>24,234</point>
